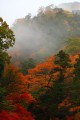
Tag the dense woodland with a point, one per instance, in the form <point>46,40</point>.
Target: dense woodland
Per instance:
<point>40,80</point>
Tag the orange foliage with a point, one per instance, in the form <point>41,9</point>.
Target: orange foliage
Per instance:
<point>75,108</point>
<point>16,82</point>
<point>65,103</point>
<point>43,74</point>
<point>73,58</point>
<point>19,98</point>
<point>40,75</point>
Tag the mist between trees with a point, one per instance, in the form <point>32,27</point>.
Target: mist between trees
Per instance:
<point>45,33</point>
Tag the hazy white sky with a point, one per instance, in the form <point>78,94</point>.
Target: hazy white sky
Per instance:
<point>13,9</point>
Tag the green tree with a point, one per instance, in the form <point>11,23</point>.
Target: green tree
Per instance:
<point>73,45</point>
<point>6,36</point>
<point>76,83</point>
<point>26,65</point>
<point>55,94</point>
<point>7,40</point>
<point>63,60</point>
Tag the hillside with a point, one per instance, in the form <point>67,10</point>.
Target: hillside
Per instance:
<point>44,34</point>
<point>34,86</point>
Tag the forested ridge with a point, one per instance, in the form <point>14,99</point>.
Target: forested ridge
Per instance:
<point>40,75</point>
<point>45,34</point>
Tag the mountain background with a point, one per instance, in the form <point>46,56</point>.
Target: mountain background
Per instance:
<point>46,33</point>
<point>70,6</point>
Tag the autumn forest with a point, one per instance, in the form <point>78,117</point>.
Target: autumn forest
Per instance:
<point>40,66</point>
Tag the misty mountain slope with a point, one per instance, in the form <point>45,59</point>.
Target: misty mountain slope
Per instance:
<point>44,34</point>
<point>70,6</point>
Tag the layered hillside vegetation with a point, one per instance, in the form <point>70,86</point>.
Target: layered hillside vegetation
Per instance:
<point>49,91</point>
<point>37,89</point>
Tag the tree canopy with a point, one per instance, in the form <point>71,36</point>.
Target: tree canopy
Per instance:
<point>7,40</point>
